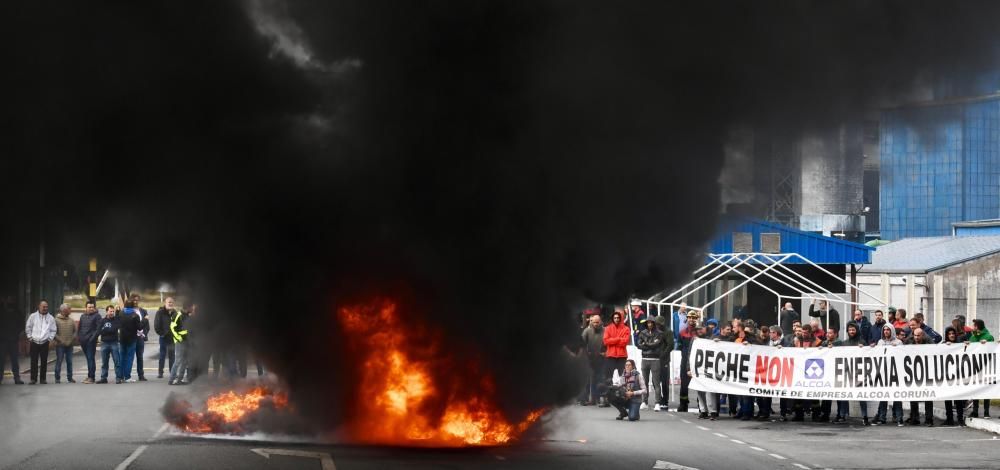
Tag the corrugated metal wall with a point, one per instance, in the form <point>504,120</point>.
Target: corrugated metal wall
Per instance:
<point>939,165</point>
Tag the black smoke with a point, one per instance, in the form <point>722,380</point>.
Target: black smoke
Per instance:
<point>486,164</point>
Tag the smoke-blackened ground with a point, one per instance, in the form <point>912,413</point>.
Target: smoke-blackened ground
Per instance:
<point>483,164</point>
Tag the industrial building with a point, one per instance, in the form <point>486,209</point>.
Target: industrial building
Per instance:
<point>939,164</point>
<point>939,276</point>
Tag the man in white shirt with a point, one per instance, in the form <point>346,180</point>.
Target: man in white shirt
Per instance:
<point>40,329</point>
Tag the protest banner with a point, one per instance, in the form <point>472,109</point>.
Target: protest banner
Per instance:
<point>879,373</point>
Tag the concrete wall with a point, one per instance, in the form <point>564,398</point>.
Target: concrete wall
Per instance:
<point>984,275</point>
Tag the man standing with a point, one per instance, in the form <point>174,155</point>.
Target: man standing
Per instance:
<point>875,332</point>
<point>616,337</point>
<point>864,326</point>
<point>40,329</point>
<point>143,333</point>
<point>90,328</point>
<point>131,326</point>
<point>679,323</point>
<point>661,323</point>
<point>934,336</point>
<point>161,323</point>
<point>982,335</point>
<point>593,345</point>
<point>179,331</point>
<point>10,332</point>
<point>110,326</point>
<point>687,338</point>
<point>652,343</point>
<point>829,317</point>
<point>901,322</point>
<point>917,336</point>
<point>65,334</point>
<point>787,317</point>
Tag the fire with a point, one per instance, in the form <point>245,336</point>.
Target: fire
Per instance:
<point>399,403</point>
<point>225,412</point>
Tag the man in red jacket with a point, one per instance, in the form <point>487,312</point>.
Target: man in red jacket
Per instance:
<point>616,337</point>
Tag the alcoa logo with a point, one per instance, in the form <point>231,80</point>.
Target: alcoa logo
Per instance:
<point>814,369</point>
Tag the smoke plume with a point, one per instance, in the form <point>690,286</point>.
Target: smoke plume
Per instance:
<point>484,164</point>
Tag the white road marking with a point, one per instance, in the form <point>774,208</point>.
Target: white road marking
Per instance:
<point>324,458</point>
<point>685,421</point>
<point>738,442</point>
<point>138,451</point>
<point>757,448</point>
<point>801,466</point>
<point>777,456</point>
<point>721,435</point>
<point>703,428</point>
<point>160,431</point>
<point>664,465</point>
<point>131,458</point>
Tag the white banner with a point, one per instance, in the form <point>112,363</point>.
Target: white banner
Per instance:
<point>881,373</point>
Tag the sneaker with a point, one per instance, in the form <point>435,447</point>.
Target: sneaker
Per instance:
<point>643,406</point>
<point>865,422</point>
<point>88,380</point>
<point>656,408</point>
<point>899,423</point>
<point>130,381</point>
<point>102,381</point>
<point>118,381</point>
<point>986,416</point>
<point>70,380</point>
<point>183,382</point>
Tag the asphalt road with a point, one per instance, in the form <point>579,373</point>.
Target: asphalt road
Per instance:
<point>101,426</point>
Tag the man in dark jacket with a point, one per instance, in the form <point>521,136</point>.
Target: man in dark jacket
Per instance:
<point>652,343</point>
<point>828,317</point>
<point>918,337</point>
<point>140,343</point>
<point>787,317</point>
<point>864,326</point>
<point>662,324</point>
<point>87,333</point>
<point>131,328</point>
<point>161,324</point>
<point>857,339</point>
<point>10,332</point>
<point>875,332</point>
<point>110,327</point>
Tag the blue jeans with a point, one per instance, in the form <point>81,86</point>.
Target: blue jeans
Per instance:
<point>128,355</point>
<point>843,408</point>
<point>110,349</point>
<point>897,410</point>
<point>64,352</point>
<point>90,352</point>
<point>633,410</point>
<point>746,406</point>
<point>166,354</point>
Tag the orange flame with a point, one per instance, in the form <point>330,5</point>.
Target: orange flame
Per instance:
<point>397,397</point>
<point>225,412</point>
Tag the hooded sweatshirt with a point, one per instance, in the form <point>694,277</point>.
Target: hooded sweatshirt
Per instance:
<point>65,330</point>
<point>980,335</point>
<point>851,340</point>
<point>131,325</point>
<point>875,333</point>
<point>616,337</point>
<point>892,341</point>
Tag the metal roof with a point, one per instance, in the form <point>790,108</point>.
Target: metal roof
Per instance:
<point>815,247</point>
<point>926,254</point>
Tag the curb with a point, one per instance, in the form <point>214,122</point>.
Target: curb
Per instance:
<point>988,425</point>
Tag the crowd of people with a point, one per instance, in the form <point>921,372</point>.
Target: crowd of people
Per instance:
<point>121,332</point>
<point>648,385</point>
